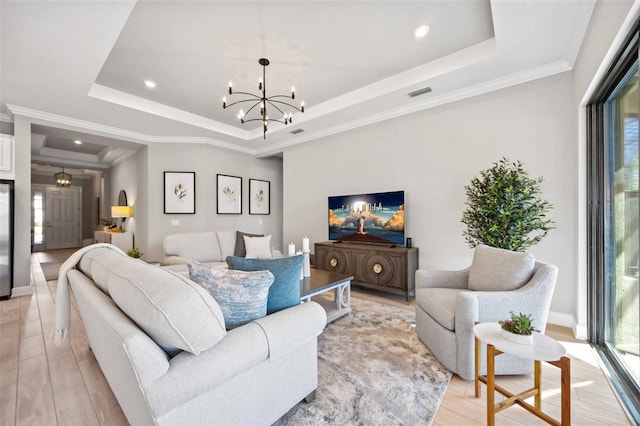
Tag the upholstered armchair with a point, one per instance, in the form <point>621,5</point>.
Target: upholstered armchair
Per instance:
<point>449,303</point>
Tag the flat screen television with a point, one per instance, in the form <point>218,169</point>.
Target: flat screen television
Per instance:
<point>367,218</point>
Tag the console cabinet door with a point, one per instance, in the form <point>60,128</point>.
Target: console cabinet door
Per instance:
<point>383,268</point>
<point>334,260</point>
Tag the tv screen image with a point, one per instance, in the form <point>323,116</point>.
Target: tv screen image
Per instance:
<point>367,218</point>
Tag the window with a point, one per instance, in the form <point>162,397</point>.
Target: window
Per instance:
<point>613,221</point>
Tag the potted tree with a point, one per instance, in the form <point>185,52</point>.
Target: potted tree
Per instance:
<point>518,329</point>
<point>504,208</point>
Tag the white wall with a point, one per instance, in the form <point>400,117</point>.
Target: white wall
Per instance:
<point>432,155</point>
<point>207,161</point>
<point>130,176</point>
<point>22,206</point>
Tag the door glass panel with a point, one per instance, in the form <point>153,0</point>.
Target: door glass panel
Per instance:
<point>621,260</point>
<point>38,216</point>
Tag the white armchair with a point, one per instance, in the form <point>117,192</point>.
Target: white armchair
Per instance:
<point>449,303</point>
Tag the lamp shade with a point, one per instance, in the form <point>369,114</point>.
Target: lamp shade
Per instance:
<point>121,211</point>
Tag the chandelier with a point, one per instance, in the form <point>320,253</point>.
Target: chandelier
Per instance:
<point>62,179</point>
<point>264,102</point>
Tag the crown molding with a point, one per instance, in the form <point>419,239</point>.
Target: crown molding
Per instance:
<point>45,118</point>
<point>69,123</point>
<point>6,118</point>
<point>138,103</point>
<point>468,92</point>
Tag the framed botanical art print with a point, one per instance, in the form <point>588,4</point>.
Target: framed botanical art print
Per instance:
<point>229,197</point>
<point>179,192</point>
<point>259,196</point>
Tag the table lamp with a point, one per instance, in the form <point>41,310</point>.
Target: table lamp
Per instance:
<point>121,212</point>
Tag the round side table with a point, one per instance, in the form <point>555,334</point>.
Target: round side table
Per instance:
<point>543,348</point>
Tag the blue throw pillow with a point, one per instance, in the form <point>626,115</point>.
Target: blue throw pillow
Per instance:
<point>285,291</point>
<point>242,296</point>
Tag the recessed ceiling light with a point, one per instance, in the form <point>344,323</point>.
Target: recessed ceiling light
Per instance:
<point>78,142</point>
<point>421,31</point>
<point>150,84</point>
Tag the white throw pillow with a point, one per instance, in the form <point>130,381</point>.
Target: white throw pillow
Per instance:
<point>495,269</point>
<point>258,247</point>
<point>173,310</point>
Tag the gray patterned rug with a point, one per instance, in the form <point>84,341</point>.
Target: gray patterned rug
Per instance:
<point>373,370</point>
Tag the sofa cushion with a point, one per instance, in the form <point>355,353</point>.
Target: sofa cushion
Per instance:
<point>285,291</point>
<point>227,240</point>
<point>98,264</point>
<point>495,269</point>
<point>175,312</point>
<point>440,304</point>
<point>199,246</point>
<point>242,296</point>
<point>258,247</point>
<point>240,249</point>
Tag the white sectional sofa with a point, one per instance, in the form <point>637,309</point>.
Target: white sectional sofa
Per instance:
<point>160,340</point>
<point>209,247</point>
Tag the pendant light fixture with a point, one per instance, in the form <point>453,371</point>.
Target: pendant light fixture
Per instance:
<point>63,179</point>
<point>264,103</point>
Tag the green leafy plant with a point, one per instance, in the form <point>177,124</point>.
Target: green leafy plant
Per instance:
<point>135,253</point>
<point>504,208</point>
<point>518,324</point>
<point>108,222</point>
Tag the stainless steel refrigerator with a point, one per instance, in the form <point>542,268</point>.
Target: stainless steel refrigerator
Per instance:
<point>6,238</point>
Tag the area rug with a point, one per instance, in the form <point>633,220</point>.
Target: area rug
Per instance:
<point>373,370</point>
<point>50,270</point>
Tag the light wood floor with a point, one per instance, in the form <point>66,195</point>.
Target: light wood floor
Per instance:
<point>43,384</point>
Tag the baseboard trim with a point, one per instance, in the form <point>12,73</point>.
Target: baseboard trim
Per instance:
<point>562,319</point>
<point>26,290</point>
<point>580,332</point>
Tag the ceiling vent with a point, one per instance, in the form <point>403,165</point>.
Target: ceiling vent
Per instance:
<point>419,92</point>
<point>296,131</point>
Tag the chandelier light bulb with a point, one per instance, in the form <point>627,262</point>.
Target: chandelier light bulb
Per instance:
<point>224,102</point>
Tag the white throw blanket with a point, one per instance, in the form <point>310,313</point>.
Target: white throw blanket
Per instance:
<point>63,303</point>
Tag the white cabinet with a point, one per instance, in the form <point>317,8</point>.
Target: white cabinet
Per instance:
<point>122,240</point>
<point>7,157</point>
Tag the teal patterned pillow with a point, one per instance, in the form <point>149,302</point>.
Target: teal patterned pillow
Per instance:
<point>242,296</point>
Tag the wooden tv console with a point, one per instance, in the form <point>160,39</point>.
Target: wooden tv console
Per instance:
<point>381,267</point>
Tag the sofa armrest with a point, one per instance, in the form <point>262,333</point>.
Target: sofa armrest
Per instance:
<point>289,328</point>
<point>242,349</point>
<point>442,279</point>
<point>174,260</point>
<point>533,298</point>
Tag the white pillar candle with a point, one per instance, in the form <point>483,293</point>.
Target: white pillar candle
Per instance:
<point>305,244</point>
<point>292,249</point>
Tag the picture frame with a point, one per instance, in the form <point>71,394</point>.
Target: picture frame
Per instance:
<point>259,196</point>
<point>229,194</point>
<point>179,192</point>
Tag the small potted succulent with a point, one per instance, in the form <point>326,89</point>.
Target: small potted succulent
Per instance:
<point>109,224</point>
<point>518,329</point>
<point>136,253</point>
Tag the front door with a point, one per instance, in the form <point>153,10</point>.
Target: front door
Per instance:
<point>62,217</point>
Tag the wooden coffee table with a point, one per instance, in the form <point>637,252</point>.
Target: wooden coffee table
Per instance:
<point>322,281</point>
